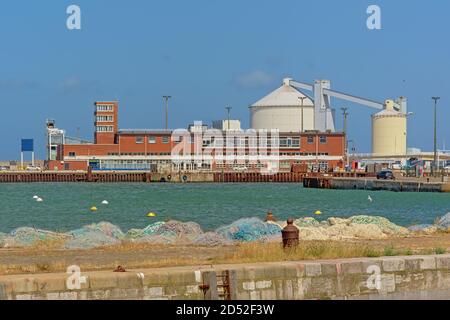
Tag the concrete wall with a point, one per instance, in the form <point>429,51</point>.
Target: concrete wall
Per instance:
<point>412,277</point>
<point>400,186</point>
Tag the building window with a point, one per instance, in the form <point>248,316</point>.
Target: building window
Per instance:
<point>152,140</point>
<point>105,107</point>
<point>323,139</point>
<point>165,139</point>
<point>72,154</point>
<point>104,128</point>
<point>139,139</point>
<point>104,119</point>
<point>310,139</point>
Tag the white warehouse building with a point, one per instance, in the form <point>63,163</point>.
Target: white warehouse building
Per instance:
<point>286,109</point>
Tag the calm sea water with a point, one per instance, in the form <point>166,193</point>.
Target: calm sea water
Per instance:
<point>67,206</point>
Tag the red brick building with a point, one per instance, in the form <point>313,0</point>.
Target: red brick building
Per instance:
<point>115,149</point>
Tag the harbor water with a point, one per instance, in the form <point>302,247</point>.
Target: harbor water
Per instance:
<point>66,206</point>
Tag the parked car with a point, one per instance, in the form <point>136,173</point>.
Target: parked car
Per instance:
<point>385,175</point>
<point>31,168</point>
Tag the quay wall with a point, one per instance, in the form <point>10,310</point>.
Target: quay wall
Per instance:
<point>376,185</point>
<point>411,277</point>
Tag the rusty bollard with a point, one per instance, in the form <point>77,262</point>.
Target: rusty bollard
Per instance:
<point>290,235</point>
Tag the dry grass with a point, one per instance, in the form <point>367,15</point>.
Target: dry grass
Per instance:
<point>44,258</point>
<point>314,250</point>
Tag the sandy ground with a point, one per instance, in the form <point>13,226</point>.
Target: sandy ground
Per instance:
<point>17,261</point>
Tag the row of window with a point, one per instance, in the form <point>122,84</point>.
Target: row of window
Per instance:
<point>152,140</point>
<point>72,154</point>
<point>104,118</point>
<point>105,107</point>
<point>138,154</point>
<point>322,139</point>
<point>104,128</point>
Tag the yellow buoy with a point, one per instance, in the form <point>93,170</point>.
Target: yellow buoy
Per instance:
<point>318,212</point>
<point>151,214</point>
<point>93,209</point>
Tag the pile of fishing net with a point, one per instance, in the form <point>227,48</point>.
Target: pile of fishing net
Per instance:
<point>94,235</point>
<point>444,221</point>
<point>386,226</point>
<point>133,234</point>
<point>211,239</point>
<point>167,233</point>
<point>249,229</point>
<point>442,224</point>
<point>25,237</point>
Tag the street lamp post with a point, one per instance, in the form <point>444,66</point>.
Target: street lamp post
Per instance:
<point>435,164</point>
<point>344,129</point>
<point>228,113</point>
<point>166,98</point>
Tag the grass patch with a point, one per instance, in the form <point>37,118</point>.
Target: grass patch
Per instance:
<point>439,250</point>
<point>389,251</point>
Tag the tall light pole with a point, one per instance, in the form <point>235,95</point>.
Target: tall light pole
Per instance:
<point>435,164</point>
<point>302,99</point>
<point>344,129</point>
<point>166,98</point>
<point>228,112</point>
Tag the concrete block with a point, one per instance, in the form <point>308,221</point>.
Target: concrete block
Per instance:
<point>153,291</point>
<point>288,290</point>
<point>322,288</point>
<point>265,284</point>
<point>300,270</point>
<point>100,294</point>
<point>313,269</point>
<point>393,264</point>
<point>24,285</point>
<point>255,295</point>
<point>303,287</point>
<point>352,267</point>
<point>427,263</point>
<point>443,279</point>
<point>154,279</point>
<point>68,295</point>
<point>182,278</point>
<point>52,283</point>
<point>387,283</point>
<point>243,295</point>
<point>192,289</point>
<point>329,269</point>
<point>6,289</point>
<point>268,294</point>
<point>102,281</point>
<point>249,285</point>
<point>412,264</point>
<point>443,262</point>
<point>52,296</point>
<point>128,280</point>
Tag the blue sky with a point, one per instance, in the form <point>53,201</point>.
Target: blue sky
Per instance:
<point>208,54</point>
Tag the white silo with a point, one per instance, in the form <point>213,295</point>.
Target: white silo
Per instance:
<point>389,131</point>
<point>285,109</point>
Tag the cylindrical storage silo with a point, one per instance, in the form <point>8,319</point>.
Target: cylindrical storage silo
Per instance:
<point>285,109</point>
<point>389,132</point>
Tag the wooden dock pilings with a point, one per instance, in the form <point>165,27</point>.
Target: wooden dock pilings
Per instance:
<point>140,176</point>
<point>53,176</point>
<point>282,177</point>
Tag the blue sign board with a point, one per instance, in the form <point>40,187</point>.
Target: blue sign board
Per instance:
<point>27,145</point>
